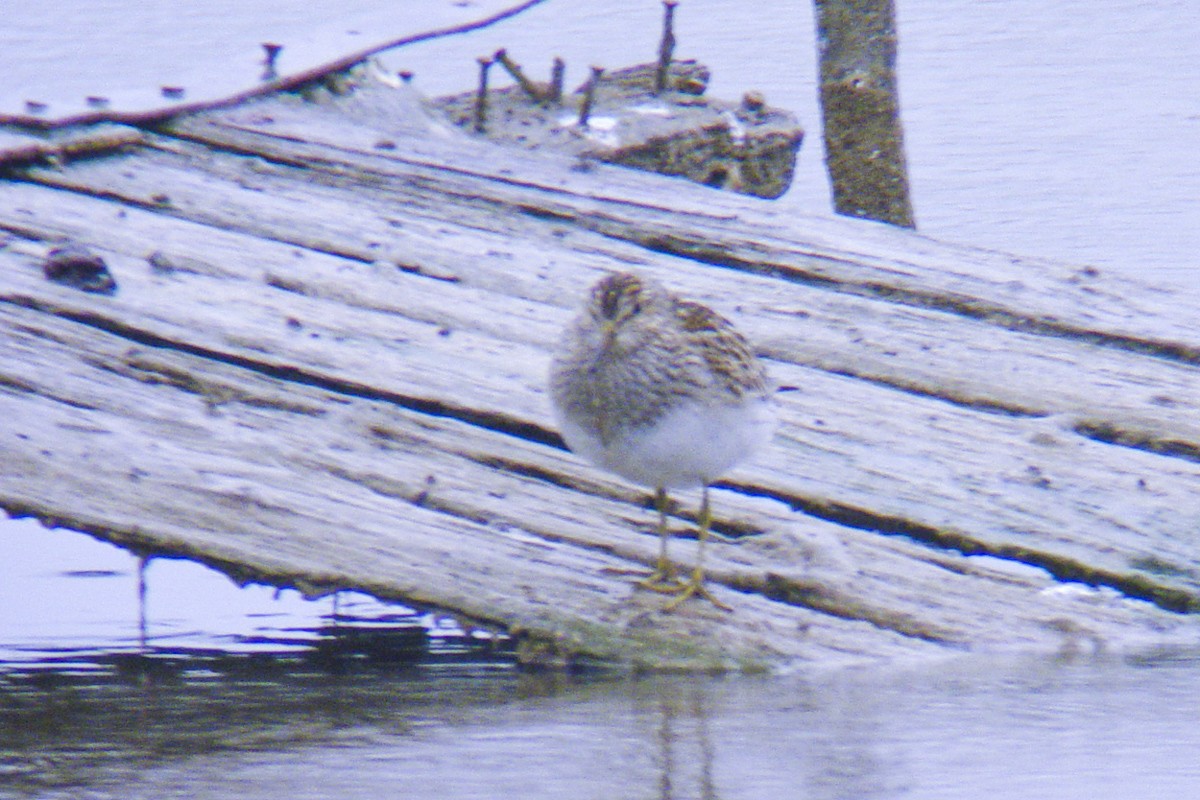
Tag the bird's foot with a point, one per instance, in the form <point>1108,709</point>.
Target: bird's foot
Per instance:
<point>652,579</point>
<point>695,588</point>
<point>663,581</point>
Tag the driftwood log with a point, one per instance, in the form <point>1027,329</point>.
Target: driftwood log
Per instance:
<point>325,364</point>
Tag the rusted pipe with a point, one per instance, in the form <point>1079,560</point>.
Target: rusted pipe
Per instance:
<point>481,95</point>
<point>589,96</point>
<point>666,47</point>
<point>514,69</point>
<point>557,73</point>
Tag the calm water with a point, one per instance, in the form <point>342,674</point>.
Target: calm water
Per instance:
<point>243,692</point>
<point>1065,130</point>
<point>219,709</point>
<point>1012,729</point>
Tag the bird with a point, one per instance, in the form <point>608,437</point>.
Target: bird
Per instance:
<point>665,393</point>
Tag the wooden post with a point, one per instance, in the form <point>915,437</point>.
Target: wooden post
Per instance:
<point>864,140</point>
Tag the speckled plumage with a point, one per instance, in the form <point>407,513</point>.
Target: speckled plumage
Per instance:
<point>660,390</point>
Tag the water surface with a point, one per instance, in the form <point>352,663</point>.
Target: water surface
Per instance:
<point>1014,728</point>
<point>239,692</point>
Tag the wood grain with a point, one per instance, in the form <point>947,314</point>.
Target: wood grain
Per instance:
<point>325,368</point>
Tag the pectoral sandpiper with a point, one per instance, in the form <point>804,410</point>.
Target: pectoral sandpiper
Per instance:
<point>665,393</point>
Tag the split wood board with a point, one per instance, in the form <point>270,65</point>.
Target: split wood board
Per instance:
<point>325,367</point>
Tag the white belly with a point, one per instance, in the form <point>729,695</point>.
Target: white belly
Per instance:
<point>689,446</point>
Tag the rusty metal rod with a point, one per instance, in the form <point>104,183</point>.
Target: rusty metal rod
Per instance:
<point>270,56</point>
<point>481,96</point>
<point>589,96</point>
<point>514,69</point>
<point>557,73</point>
<point>666,47</point>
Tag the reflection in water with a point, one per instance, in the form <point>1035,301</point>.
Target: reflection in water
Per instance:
<point>713,739</point>
<point>257,726</point>
<point>69,729</point>
<point>684,748</point>
<point>845,759</point>
<point>227,692</point>
<point>143,561</point>
<point>80,596</point>
<point>112,663</point>
<point>85,717</point>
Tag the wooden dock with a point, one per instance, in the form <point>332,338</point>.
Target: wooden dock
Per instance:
<point>325,368</point>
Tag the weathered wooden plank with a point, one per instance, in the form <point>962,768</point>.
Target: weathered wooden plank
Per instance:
<point>630,206</point>
<point>303,337</point>
<point>300,486</point>
<point>1040,455</point>
<point>21,147</point>
<point>960,358</point>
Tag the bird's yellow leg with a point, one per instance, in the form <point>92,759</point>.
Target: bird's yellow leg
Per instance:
<point>695,586</point>
<point>663,578</point>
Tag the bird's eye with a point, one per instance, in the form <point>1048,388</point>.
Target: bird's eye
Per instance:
<point>608,304</point>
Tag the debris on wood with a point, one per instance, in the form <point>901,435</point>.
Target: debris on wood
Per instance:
<point>617,117</point>
<point>77,266</point>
